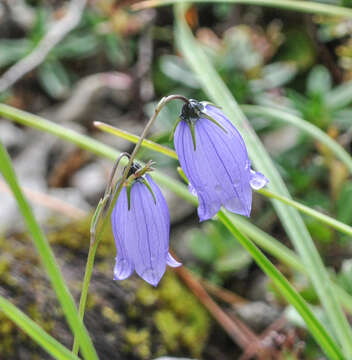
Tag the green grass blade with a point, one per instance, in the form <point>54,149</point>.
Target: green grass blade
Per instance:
<point>338,225</point>
<point>172,154</point>
<point>47,342</point>
<point>87,143</point>
<point>314,131</point>
<point>48,259</point>
<point>265,241</point>
<point>290,218</point>
<point>122,134</point>
<point>317,330</point>
<point>294,5</point>
<point>275,248</point>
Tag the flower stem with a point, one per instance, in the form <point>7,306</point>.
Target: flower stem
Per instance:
<point>95,239</point>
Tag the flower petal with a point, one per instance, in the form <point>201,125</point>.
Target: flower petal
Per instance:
<point>119,223</point>
<point>150,252</point>
<point>141,233</point>
<point>194,164</point>
<point>172,261</point>
<point>163,208</point>
<point>230,165</point>
<point>222,119</point>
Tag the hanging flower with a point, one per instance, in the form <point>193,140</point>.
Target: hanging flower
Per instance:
<point>141,226</point>
<point>214,158</point>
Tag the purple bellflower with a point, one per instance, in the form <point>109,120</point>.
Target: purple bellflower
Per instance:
<point>214,158</point>
<point>141,226</point>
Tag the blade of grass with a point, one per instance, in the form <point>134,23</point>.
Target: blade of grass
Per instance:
<point>92,145</point>
<point>172,154</point>
<point>290,218</point>
<point>295,5</point>
<point>47,258</point>
<point>47,342</point>
<point>309,211</point>
<point>275,248</point>
<point>314,131</point>
<point>87,143</point>
<point>148,144</point>
<point>317,330</point>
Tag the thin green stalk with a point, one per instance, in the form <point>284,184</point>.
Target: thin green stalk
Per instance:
<point>305,209</point>
<point>48,259</point>
<point>309,211</point>
<point>85,287</point>
<point>134,139</point>
<point>317,330</point>
<point>33,330</point>
<point>314,131</point>
<point>214,86</point>
<point>87,143</point>
<point>294,5</point>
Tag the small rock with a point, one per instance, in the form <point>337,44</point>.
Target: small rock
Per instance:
<point>11,135</point>
<point>90,181</point>
<point>258,315</point>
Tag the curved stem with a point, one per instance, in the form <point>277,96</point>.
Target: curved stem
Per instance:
<point>94,240</point>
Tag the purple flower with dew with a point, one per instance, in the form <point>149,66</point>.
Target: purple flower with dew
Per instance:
<point>141,226</point>
<point>214,158</point>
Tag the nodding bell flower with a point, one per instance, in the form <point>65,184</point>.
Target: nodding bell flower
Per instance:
<point>214,158</point>
<point>141,226</point>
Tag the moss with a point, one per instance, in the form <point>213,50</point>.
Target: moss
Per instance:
<point>93,299</point>
<point>147,296</point>
<point>110,314</point>
<point>169,327</point>
<point>143,322</point>
<point>75,236</point>
<point>4,265</point>
<point>7,329</point>
<point>138,342</point>
<point>35,314</point>
<point>180,319</point>
<point>5,275</point>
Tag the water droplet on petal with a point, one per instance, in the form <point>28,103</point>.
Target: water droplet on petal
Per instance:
<point>122,270</point>
<point>172,262</point>
<point>257,180</point>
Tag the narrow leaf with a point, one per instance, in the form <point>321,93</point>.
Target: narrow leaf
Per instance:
<point>47,258</point>
<point>47,342</point>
